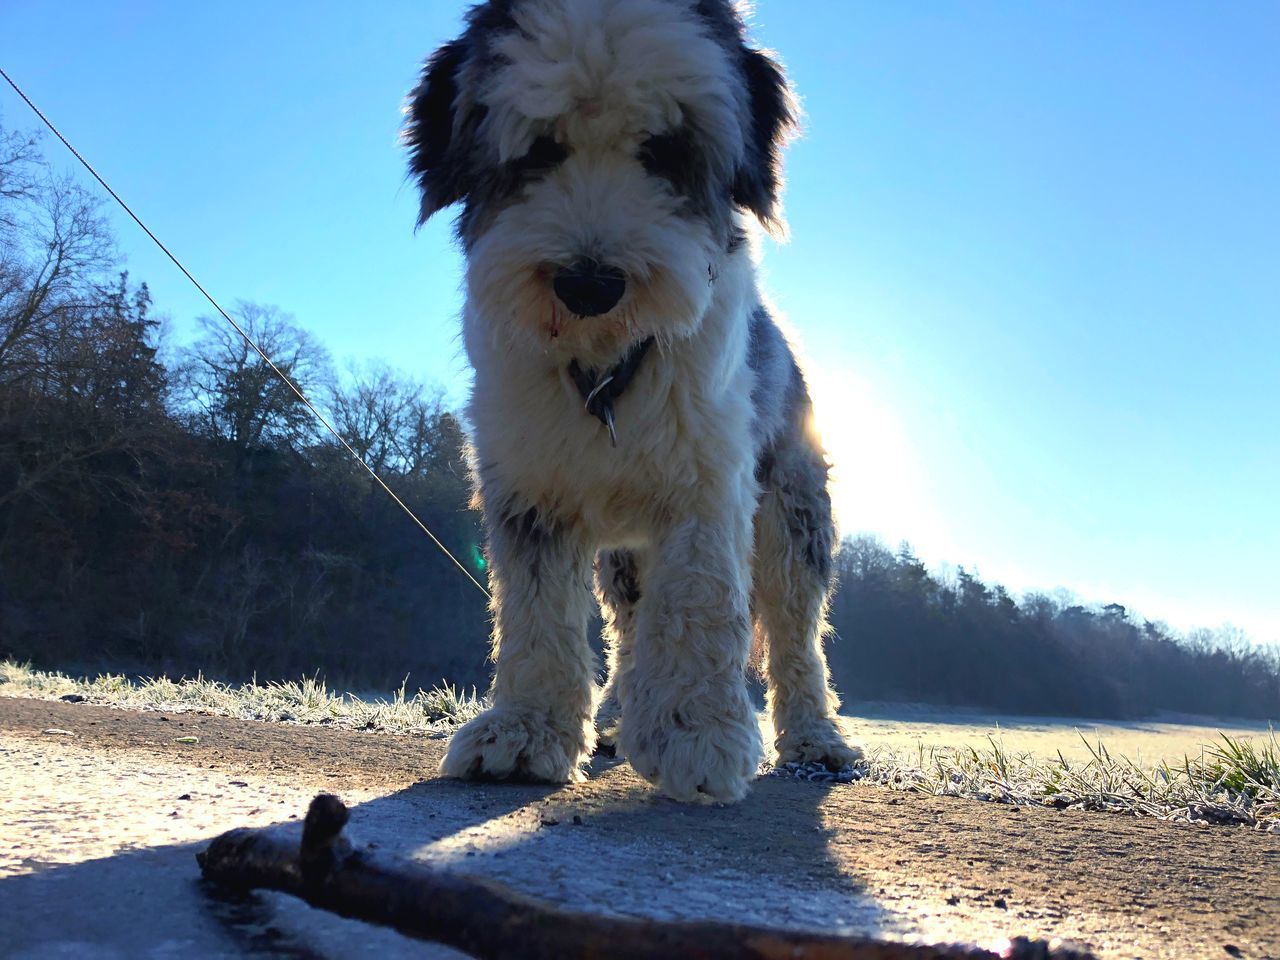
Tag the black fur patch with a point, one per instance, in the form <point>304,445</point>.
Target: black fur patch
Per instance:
<point>444,149</point>
<point>622,578</point>
<point>815,530</point>
<point>526,527</point>
<point>811,527</point>
<point>775,370</point>
<point>531,534</point>
<point>723,23</point>
<point>678,158</point>
<point>544,155</point>
<point>494,17</point>
<point>764,465</point>
<point>493,189</point>
<point>782,410</point>
<point>758,181</point>
<point>437,155</point>
<point>674,157</point>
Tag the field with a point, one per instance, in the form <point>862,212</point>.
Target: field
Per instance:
<point>1177,768</point>
<point>904,728</point>
<point>110,787</point>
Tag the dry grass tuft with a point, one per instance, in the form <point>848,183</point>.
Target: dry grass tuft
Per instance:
<point>302,701</point>
<point>1232,781</point>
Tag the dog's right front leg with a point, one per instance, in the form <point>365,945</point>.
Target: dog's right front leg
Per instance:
<point>688,724</point>
<point>539,726</point>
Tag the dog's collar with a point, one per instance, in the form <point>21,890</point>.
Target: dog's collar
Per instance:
<point>600,390</point>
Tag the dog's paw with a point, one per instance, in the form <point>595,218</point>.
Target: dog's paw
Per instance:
<point>608,723</point>
<point>711,759</point>
<point>503,744</point>
<point>607,737</point>
<point>819,741</point>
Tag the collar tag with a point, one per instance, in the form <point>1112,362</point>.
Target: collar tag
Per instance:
<point>600,390</point>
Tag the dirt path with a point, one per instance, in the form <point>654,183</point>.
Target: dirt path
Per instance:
<point>99,823</point>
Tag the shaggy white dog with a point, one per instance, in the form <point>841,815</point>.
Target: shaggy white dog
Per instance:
<point>634,403</point>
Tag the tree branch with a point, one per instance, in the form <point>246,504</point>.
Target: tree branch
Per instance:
<point>487,920</point>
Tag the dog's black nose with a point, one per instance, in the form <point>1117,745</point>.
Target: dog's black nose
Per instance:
<point>589,288</point>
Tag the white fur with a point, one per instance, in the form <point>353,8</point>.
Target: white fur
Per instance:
<point>600,72</point>
<point>680,487</point>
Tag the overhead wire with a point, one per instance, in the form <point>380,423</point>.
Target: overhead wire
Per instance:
<point>246,336</point>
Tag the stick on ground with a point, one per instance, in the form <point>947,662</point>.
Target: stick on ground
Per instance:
<point>487,920</point>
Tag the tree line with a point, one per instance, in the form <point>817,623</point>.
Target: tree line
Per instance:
<point>906,634</point>
<point>178,508</point>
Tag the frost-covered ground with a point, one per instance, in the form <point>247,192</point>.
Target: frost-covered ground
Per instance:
<point>1187,769</point>
<point>104,808</point>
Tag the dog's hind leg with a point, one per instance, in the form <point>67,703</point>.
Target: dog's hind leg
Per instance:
<point>539,726</point>
<point>618,590</point>
<point>795,537</point>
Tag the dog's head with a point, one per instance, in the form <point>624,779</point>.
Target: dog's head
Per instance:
<point>605,154</point>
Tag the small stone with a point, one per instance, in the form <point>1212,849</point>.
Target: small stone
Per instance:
<point>1001,904</point>
<point>577,820</point>
<point>72,698</point>
<point>57,732</point>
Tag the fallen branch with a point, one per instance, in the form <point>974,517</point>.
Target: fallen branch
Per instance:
<point>487,920</point>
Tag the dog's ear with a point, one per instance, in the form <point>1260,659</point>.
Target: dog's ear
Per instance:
<point>757,183</point>
<point>435,133</point>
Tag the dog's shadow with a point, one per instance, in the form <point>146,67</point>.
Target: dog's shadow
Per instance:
<point>615,845</point>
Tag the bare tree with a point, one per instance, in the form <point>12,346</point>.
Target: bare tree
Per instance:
<point>236,397</point>
<point>392,421</point>
<point>78,374</point>
<point>20,162</point>
<point>55,259</point>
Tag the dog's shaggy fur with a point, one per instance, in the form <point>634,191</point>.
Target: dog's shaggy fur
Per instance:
<point>612,159</point>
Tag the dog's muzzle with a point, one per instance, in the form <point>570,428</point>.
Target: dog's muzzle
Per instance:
<point>589,288</point>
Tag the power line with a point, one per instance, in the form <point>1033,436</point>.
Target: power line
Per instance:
<point>243,333</point>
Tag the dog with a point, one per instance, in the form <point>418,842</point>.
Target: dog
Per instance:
<point>636,412</point>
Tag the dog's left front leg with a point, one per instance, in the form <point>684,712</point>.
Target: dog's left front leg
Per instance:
<point>540,725</point>
<point>688,722</point>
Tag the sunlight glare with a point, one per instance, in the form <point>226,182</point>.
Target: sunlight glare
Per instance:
<point>879,484</point>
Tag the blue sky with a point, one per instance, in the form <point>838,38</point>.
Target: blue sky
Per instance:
<point>1034,265</point>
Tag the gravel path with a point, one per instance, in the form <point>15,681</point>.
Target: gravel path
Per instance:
<point>103,810</point>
